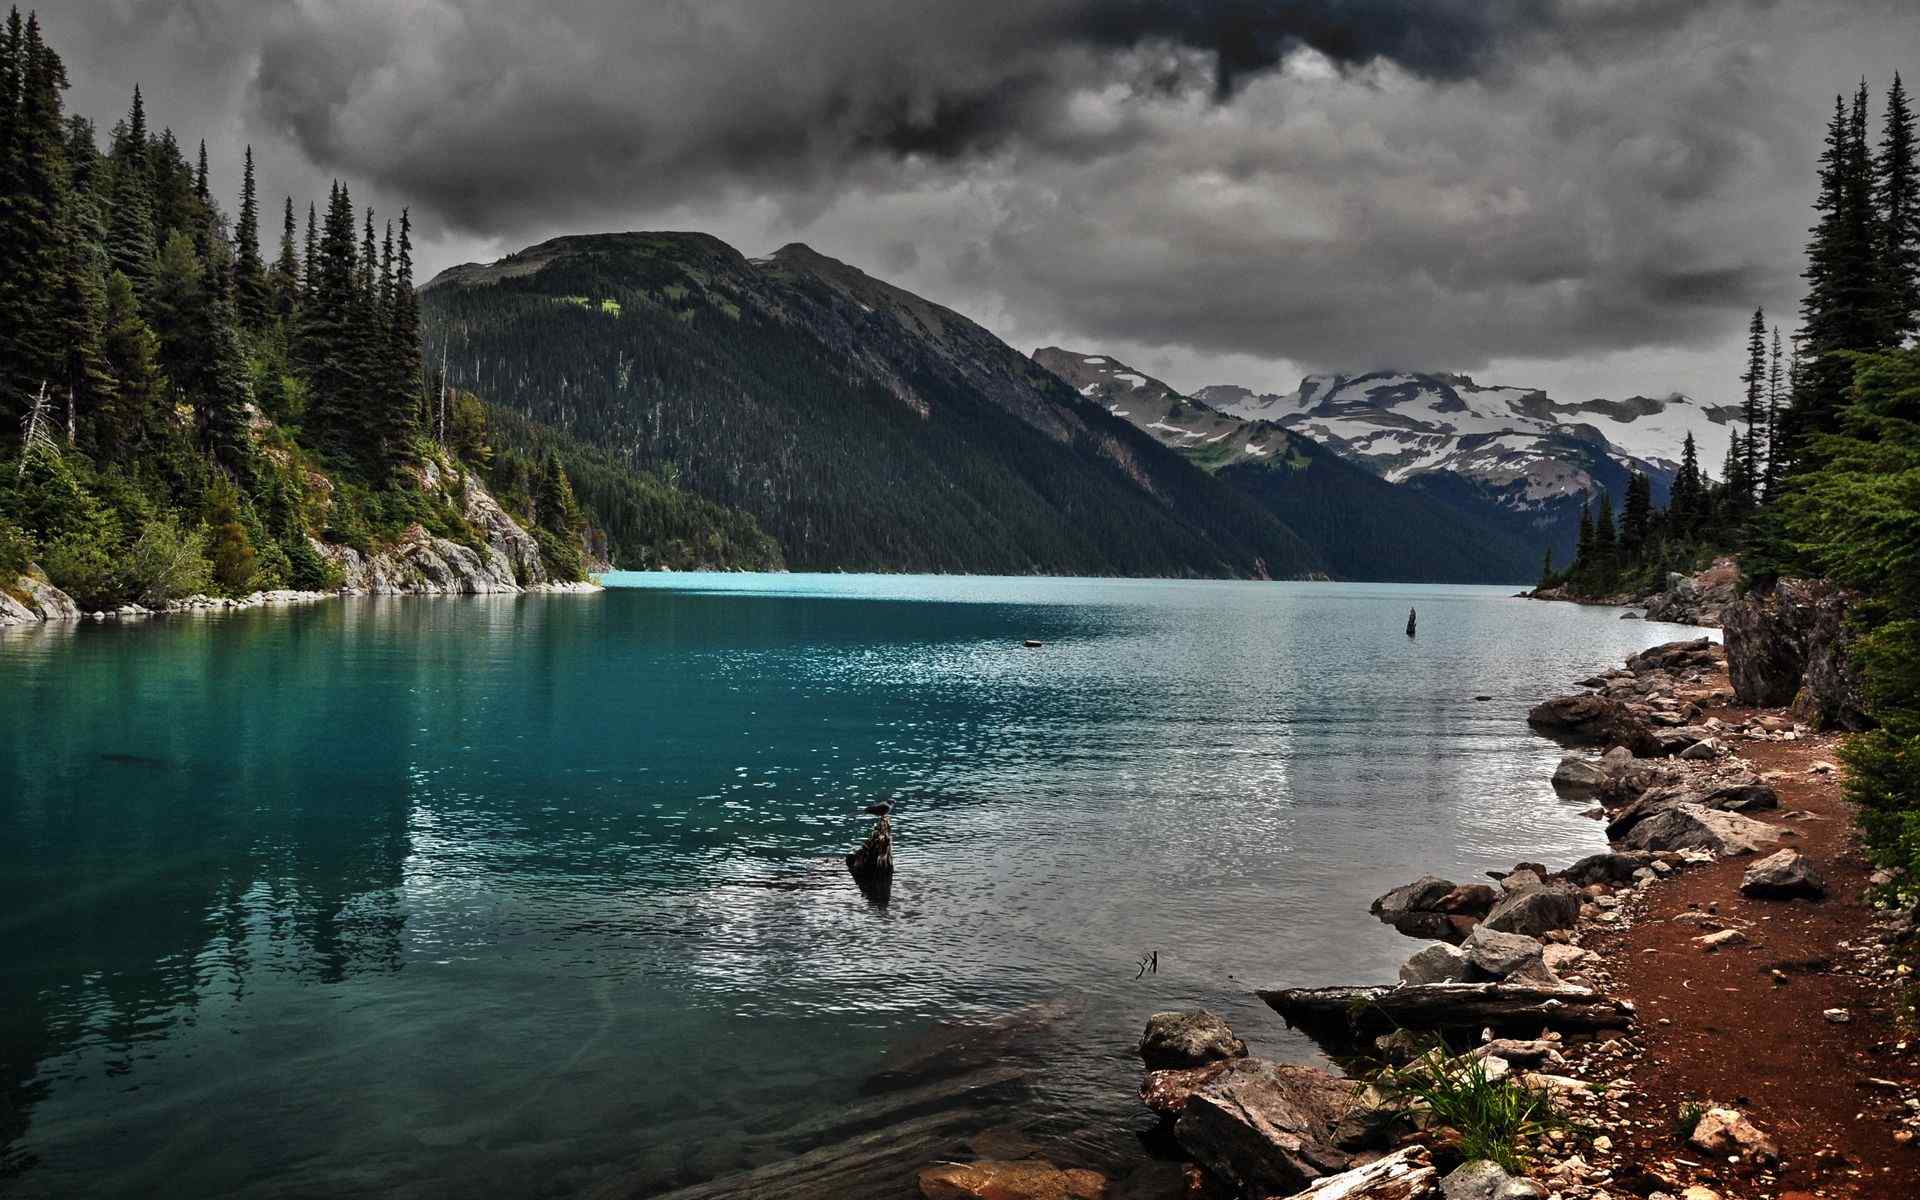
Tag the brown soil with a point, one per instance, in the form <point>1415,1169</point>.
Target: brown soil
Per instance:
<point>1744,1026</point>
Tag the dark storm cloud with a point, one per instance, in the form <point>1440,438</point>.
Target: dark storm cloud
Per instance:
<point>1324,182</point>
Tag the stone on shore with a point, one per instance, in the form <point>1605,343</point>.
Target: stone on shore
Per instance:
<point>1028,1179</point>
<point>1536,911</point>
<point>1191,1038</point>
<point>1607,867</point>
<point>1785,875</point>
<point>1167,1092</point>
<point>1674,657</point>
<point>1267,1128</point>
<point>1595,720</point>
<point>1482,1179</point>
<point>1432,907</point>
<point>1403,1175</point>
<point>1696,827</point>
<point>1726,1131</point>
<point>1580,776</point>
<point>1494,956</point>
<point>1438,963</point>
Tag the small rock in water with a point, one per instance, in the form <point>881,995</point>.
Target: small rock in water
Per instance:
<point>872,864</point>
<point>879,810</point>
<point>1033,643</point>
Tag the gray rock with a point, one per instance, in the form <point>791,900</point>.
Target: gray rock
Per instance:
<point>1579,776</point>
<point>1192,1038</point>
<point>1704,751</point>
<point>1794,638</point>
<point>1267,1128</point>
<point>1696,827</point>
<point>1742,797</point>
<point>1423,894</point>
<point>1607,867</point>
<point>1594,720</point>
<point>1495,956</point>
<point>1438,963</point>
<point>1783,876</point>
<point>1482,1179</point>
<point>1520,880</point>
<point>1726,1131</point>
<point>1536,911</point>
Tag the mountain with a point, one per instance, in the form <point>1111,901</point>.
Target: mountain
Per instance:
<point>1363,525</point>
<point>863,427</point>
<point>1513,454</point>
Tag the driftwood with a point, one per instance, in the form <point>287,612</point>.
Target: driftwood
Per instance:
<point>1343,1015</point>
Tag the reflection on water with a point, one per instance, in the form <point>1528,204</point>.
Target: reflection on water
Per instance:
<point>519,895</point>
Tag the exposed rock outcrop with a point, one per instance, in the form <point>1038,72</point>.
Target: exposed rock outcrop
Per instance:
<point>1789,645</point>
<point>1535,911</point>
<point>29,599</point>
<point>1696,599</point>
<point>1695,827</point>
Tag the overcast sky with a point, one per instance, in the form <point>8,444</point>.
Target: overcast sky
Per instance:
<point>1584,195</point>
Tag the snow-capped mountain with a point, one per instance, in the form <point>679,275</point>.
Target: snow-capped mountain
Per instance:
<point>1519,442</point>
<point>1205,434</point>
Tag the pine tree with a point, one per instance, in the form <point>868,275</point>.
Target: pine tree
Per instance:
<point>1897,180</point>
<point>250,299</point>
<point>1844,308</point>
<point>402,351</point>
<point>283,282</point>
<point>330,349</point>
<point>1546,569</point>
<point>1605,539</point>
<point>1753,410</point>
<point>1583,559</point>
<point>556,510</point>
<point>134,416</point>
<point>1776,400</point>
<point>130,243</point>
<point>32,257</point>
<point>1637,520</point>
<point>1683,506</point>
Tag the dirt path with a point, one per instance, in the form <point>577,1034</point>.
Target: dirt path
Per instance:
<point>1744,1025</point>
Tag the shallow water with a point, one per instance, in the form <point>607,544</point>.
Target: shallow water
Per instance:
<point>523,895</point>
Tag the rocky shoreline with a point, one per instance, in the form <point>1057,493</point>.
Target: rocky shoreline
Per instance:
<point>1696,599</point>
<point>506,561</point>
<point>1556,1038</point>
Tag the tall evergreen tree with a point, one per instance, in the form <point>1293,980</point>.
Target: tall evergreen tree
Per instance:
<point>130,242</point>
<point>1683,505</point>
<point>250,298</point>
<point>1753,410</point>
<point>1897,180</point>
<point>1636,520</point>
<point>402,351</point>
<point>1844,307</point>
<point>1776,399</point>
<point>32,257</point>
<point>283,281</point>
<point>329,342</point>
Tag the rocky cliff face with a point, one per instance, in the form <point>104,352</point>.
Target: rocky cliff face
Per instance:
<point>419,562</point>
<point>1788,645</point>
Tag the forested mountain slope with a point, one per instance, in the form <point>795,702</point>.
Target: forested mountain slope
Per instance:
<point>1361,525</point>
<point>862,426</point>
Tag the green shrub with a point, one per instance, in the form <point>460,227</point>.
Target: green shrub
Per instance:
<point>83,566</point>
<point>16,548</point>
<point>1495,1117</point>
<point>165,563</point>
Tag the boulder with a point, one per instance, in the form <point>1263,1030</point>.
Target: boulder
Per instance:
<point>1607,867</point>
<point>1536,911</point>
<point>1469,900</point>
<point>1742,797</point>
<point>1561,958</point>
<point>1790,638</point>
<point>1167,1092</point>
<point>1192,1038</point>
<point>1494,956</point>
<point>1428,908</point>
<point>1027,1179</point>
<point>1267,1128</point>
<point>1696,599</point>
<point>1705,750</point>
<point>1438,963</point>
<point>1594,720</point>
<point>1696,827</point>
<point>1339,1017</point>
<point>1420,895</point>
<point>1726,1131</point>
<point>1520,879</point>
<point>1580,776</point>
<point>1783,876</point>
<point>1675,657</point>
<point>1482,1179</point>
<point>1403,1175</point>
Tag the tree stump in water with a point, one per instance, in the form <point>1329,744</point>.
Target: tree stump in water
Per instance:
<point>872,864</point>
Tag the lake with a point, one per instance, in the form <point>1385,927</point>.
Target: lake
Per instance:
<point>542,895</point>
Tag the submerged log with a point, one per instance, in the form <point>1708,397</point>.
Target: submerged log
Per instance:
<point>872,864</point>
<point>1346,1015</point>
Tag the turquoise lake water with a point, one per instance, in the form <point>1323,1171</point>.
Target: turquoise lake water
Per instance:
<point>516,896</point>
